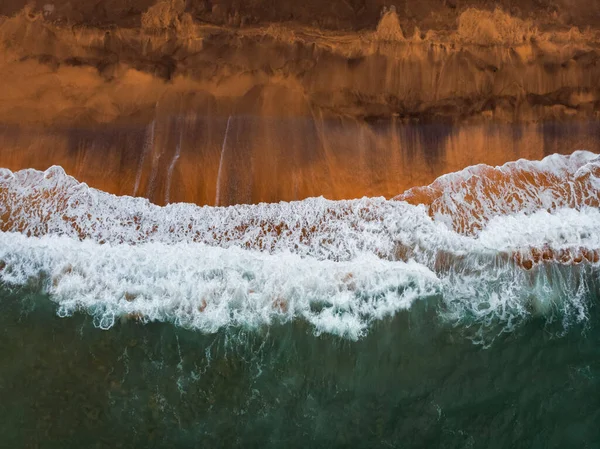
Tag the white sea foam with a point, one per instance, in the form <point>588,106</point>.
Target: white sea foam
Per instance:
<point>468,199</point>
<point>52,203</point>
<point>336,264</point>
<point>561,229</point>
<point>208,288</point>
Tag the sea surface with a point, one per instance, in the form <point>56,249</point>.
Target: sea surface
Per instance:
<point>463,314</point>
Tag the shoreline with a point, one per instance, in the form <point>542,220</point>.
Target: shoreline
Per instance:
<point>283,159</point>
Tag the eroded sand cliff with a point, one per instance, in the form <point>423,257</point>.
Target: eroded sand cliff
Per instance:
<point>220,103</point>
<point>491,66</point>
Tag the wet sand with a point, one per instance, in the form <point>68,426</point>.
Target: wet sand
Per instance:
<point>218,160</point>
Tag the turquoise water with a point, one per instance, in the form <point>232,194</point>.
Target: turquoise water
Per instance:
<point>412,381</point>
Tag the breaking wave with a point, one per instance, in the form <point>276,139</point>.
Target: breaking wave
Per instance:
<point>491,247</point>
<point>468,199</point>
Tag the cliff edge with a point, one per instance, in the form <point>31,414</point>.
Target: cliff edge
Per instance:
<point>84,62</point>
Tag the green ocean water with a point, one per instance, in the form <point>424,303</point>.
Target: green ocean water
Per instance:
<point>412,382</point>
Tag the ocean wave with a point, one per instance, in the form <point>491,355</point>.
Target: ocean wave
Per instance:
<point>468,199</point>
<point>207,288</point>
<point>495,246</point>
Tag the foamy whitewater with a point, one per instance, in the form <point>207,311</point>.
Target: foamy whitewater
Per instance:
<point>490,247</point>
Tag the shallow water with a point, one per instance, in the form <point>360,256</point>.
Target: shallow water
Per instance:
<point>413,381</point>
<point>461,314</point>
